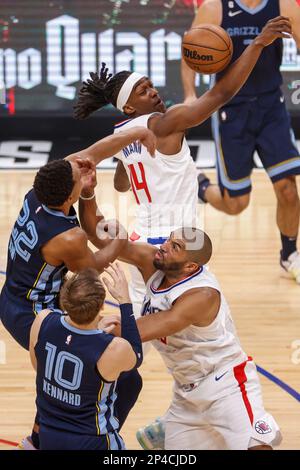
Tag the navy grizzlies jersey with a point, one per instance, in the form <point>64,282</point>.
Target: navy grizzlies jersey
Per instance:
<point>71,395</point>
<point>243,25</point>
<point>28,276</point>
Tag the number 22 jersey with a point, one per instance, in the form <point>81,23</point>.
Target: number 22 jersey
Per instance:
<point>28,276</point>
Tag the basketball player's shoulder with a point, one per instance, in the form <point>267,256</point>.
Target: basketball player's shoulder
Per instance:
<point>154,120</point>
<point>205,293</point>
<point>120,125</point>
<point>34,332</point>
<point>210,11</point>
<point>69,241</point>
<point>118,346</point>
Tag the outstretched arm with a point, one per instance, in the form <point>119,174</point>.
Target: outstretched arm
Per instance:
<point>71,248</point>
<point>198,307</point>
<point>112,144</point>
<point>209,12</point>
<point>140,255</point>
<point>183,116</point>
<point>89,213</point>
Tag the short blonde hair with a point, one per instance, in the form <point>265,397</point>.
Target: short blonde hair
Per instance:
<point>82,296</point>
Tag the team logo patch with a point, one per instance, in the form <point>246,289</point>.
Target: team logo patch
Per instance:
<point>262,427</point>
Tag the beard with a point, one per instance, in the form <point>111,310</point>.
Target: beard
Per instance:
<point>158,264</point>
<point>166,267</point>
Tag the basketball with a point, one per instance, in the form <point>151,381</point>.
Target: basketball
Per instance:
<point>207,48</point>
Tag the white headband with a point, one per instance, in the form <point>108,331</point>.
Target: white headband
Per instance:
<point>126,89</point>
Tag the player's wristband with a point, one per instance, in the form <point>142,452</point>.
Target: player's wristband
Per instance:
<point>87,198</point>
<point>130,332</point>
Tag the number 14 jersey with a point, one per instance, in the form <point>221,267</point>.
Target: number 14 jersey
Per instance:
<point>165,187</point>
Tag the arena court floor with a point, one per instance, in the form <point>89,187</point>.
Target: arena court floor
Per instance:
<point>266,309</point>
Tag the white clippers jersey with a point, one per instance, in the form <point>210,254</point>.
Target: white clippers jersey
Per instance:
<point>165,187</point>
<point>195,351</point>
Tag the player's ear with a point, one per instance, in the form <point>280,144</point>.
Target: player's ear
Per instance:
<point>128,109</point>
<point>191,266</point>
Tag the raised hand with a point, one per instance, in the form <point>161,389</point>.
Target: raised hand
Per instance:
<point>109,323</point>
<point>279,27</point>
<point>117,285</point>
<point>89,180</point>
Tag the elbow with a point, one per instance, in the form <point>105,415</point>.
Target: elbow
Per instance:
<point>121,187</point>
<point>121,180</point>
<point>224,96</point>
<point>221,97</point>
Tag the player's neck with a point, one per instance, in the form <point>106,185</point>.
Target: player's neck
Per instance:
<point>172,278</point>
<point>89,326</point>
<point>251,3</point>
<point>65,208</point>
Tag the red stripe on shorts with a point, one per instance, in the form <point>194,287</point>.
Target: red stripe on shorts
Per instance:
<point>240,375</point>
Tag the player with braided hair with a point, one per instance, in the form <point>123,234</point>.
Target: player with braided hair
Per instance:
<point>99,91</point>
<point>166,187</point>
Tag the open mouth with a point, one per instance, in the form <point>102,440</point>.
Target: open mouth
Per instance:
<point>158,255</point>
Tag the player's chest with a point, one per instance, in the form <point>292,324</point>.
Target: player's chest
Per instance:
<point>155,302</point>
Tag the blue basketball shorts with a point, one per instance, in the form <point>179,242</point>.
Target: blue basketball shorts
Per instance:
<point>51,439</point>
<point>17,316</point>
<point>261,124</point>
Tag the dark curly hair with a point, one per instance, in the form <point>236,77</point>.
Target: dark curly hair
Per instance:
<point>99,91</point>
<point>54,183</point>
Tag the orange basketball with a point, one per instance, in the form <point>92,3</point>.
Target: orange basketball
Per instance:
<point>207,48</point>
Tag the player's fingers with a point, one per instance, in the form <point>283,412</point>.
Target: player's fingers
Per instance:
<point>282,24</point>
<point>109,329</point>
<point>115,269</point>
<point>284,35</point>
<point>115,318</point>
<point>111,273</point>
<point>119,269</point>
<point>280,29</point>
<point>286,31</point>
<point>107,282</point>
<point>121,272</point>
<point>278,18</point>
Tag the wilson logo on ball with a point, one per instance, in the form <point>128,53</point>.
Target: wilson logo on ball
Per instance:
<point>190,54</point>
<point>207,48</point>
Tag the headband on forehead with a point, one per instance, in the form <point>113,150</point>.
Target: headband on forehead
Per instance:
<point>126,89</point>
